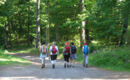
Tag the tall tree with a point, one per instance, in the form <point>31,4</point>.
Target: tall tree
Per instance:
<point>83,23</point>
<point>125,23</point>
<point>6,35</point>
<point>28,38</point>
<point>38,24</point>
<point>48,23</point>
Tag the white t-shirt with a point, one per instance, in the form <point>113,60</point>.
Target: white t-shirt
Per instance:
<point>51,50</point>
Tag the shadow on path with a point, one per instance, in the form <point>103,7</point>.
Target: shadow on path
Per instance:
<point>34,72</point>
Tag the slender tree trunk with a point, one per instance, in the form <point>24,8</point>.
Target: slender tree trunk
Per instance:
<point>83,23</point>
<point>6,35</point>
<point>87,36</point>
<point>20,23</point>
<point>57,33</point>
<point>47,34</point>
<point>28,39</point>
<point>38,25</point>
<point>125,27</point>
<point>48,24</point>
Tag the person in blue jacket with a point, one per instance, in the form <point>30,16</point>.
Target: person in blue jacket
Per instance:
<point>85,55</point>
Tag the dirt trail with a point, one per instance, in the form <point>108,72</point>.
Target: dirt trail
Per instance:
<point>34,72</point>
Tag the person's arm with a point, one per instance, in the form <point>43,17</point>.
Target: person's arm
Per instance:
<point>50,50</point>
<point>75,49</point>
<point>70,50</point>
<point>57,50</point>
<point>46,50</point>
<point>83,49</point>
<point>64,50</point>
<point>40,49</point>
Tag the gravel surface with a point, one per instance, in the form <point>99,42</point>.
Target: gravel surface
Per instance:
<point>34,71</point>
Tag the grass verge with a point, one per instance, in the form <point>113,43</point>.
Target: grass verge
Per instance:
<point>8,59</point>
<point>117,59</point>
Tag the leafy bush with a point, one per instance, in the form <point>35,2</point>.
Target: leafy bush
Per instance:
<point>114,59</point>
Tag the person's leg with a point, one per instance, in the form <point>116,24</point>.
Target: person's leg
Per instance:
<point>42,62</point>
<point>52,61</point>
<point>65,61</point>
<point>84,60</point>
<point>74,56</point>
<point>71,60</point>
<point>55,59</point>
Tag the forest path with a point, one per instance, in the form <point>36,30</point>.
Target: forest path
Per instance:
<point>34,71</point>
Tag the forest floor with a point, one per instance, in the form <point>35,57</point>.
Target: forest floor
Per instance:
<point>34,71</point>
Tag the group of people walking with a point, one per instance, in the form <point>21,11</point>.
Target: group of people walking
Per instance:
<point>69,53</point>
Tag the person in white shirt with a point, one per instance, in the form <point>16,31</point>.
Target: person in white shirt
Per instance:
<point>53,54</point>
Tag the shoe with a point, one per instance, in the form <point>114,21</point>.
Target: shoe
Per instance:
<point>53,66</point>
<point>83,65</point>
<point>68,66</point>
<point>42,66</point>
<point>65,65</point>
<point>86,66</point>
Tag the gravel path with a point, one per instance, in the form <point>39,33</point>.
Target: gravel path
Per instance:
<point>34,72</point>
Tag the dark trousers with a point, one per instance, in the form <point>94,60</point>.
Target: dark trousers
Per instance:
<point>53,57</point>
<point>66,57</point>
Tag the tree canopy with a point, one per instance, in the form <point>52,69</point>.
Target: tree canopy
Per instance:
<point>105,21</point>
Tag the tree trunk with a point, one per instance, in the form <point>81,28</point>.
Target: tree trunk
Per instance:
<point>125,27</point>
<point>82,24</point>
<point>38,25</point>
<point>87,36</point>
<point>48,25</point>
<point>47,34</point>
<point>6,35</point>
<point>57,33</point>
<point>20,23</point>
<point>28,38</point>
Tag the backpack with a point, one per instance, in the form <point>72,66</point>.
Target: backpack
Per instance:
<point>44,49</point>
<point>73,49</point>
<point>54,50</point>
<point>85,50</point>
<point>67,49</point>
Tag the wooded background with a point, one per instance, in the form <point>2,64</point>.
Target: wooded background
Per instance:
<point>29,22</point>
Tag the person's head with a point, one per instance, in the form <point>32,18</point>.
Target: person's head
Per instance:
<point>67,44</point>
<point>72,43</point>
<point>53,43</point>
<point>43,43</point>
<point>85,43</point>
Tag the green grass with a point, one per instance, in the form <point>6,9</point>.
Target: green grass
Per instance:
<point>116,59</point>
<point>25,50</point>
<point>8,59</point>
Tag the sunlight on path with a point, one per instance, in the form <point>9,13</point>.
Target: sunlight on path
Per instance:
<point>34,72</point>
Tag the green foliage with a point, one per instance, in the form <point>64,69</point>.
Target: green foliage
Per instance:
<point>104,20</point>
<point>128,36</point>
<point>112,59</point>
